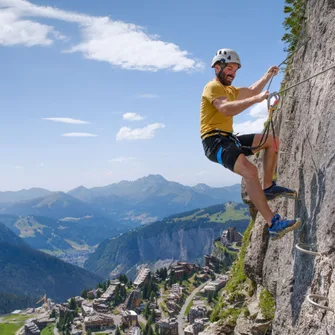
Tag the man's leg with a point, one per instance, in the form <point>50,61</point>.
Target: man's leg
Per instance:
<point>269,160</point>
<point>269,166</point>
<point>234,159</point>
<point>250,175</point>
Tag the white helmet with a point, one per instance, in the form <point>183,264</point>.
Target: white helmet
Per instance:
<point>226,56</point>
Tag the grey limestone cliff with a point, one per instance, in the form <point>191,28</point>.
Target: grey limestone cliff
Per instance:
<point>305,122</point>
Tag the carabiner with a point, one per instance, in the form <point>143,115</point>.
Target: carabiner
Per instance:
<point>273,106</point>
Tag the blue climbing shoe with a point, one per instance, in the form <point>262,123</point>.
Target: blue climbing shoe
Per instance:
<point>275,191</point>
<point>281,227</point>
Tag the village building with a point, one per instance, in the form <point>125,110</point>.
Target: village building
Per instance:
<point>134,331</point>
<point>219,282</point>
<point>196,312</point>
<point>203,276</point>
<point>76,331</point>
<point>183,269</point>
<point>43,321</point>
<point>230,236</point>
<point>98,321</point>
<point>129,318</point>
<point>108,295</point>
<point>158,313</point>
<point>213,263</point>
<point>100,306</point>
<point>133,300</point>
<point>59,310</point>
<point>176,289</point>
<point>30,328</point>
<point>91,294</point>
<point>87,308</point>
<point>168,326</point>
<point>209,289</point>
<point>195,328</point>
<point>141,277</point>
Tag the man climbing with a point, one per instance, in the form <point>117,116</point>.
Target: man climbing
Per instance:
<point>219,104</point>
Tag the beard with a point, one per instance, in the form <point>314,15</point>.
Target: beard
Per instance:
<point>225,79</point>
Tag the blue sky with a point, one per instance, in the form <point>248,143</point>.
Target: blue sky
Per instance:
<point>94,92</point>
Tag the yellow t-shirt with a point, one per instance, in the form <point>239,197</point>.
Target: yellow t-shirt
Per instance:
<point>210,117</point>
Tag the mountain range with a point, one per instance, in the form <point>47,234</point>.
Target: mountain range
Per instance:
<point>58,222</point>
<point>136,202</point>
<point>26,272</point>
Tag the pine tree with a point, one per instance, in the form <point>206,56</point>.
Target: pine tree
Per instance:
<point>150,331</point>
<point>146,311</point>
<point>73,304</point>
<point>84,294</point>
<point>152,296</point>
<point>117,331</point>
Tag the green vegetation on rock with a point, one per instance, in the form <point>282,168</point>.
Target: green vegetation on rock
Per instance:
<point>293,23</point>
<point>267,304</point>
<point>237,284</point>
<point>237,275</point>
<point>49,330</point>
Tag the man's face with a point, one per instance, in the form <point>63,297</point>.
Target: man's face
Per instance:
<point>228,74</point>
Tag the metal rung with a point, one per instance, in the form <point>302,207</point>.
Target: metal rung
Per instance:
<point>301,247</point>
<point>287,120</point>
<point>319,297</point>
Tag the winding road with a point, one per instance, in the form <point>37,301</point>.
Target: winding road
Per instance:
<point>183,309</point>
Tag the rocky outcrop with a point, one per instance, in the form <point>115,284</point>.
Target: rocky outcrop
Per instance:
<point>305,122</point>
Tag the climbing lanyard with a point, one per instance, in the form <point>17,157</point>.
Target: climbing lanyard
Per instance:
<point>272,108</point>
<point>309,78</point>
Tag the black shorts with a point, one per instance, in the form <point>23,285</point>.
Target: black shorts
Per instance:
<point>223,150</point>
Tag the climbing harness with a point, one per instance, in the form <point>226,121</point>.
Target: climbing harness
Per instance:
<point>271,108</point>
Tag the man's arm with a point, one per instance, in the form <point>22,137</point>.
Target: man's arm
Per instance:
<point>257,87</point>
<point>231,108</point>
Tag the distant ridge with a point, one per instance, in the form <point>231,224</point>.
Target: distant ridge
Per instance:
<point>28,272</point>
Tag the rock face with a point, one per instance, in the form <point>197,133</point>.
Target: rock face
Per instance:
<point>305,122</point>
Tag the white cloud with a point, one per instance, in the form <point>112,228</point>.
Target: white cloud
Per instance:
<point>132,117</point>
<point>121,44</point>
<point>147,96</point>
<point>41,165</point>
<point>121,159</point>
<point>260,110</point>
<point>14,31</point>
<point>259,113</point>
<point>18,167</point>
<point>65,120</point>
<point>202,173</point>
<point>79,135</point>
<point>250,127</point>
<point>145,133</point>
